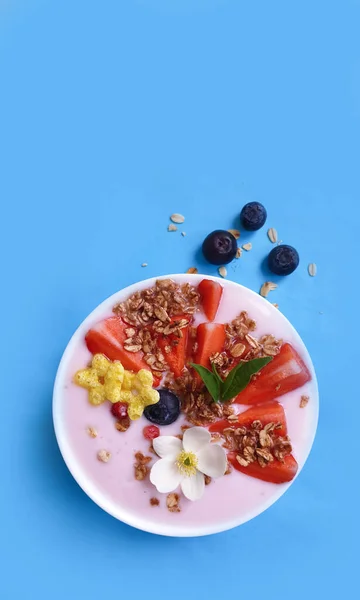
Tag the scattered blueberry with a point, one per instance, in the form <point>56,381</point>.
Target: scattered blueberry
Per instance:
<point>164,412</point>
<point>283,260</point>
<point>219,247</point>
<point>253,216</point>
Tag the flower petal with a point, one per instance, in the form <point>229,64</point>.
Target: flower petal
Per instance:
<point>195,438</point>
<point>167,446</point>
<point>212,460</point>
<point>193,487</point>
<point>165,475</point>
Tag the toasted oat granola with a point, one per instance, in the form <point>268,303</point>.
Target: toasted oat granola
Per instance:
<point>172,502</point>
<point>141,470</point>
<point>257,443</point>
<point>304,401</point>
<point>104,456</point>
<point>157,306</point>
<point>197,405</point>
<point>123,424</point>
<point>154,501</point>
<point>92,432</point>
<point>166,297</point>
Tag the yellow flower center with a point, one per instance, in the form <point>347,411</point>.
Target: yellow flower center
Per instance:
<point>187,463</point>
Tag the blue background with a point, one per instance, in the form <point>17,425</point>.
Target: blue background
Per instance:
<point>113,115</point>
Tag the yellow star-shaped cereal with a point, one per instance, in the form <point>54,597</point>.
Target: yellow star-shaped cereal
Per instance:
<point>106,380</point>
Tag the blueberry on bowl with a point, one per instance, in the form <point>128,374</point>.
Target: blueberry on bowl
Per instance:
<point>219,247</point>
<point>164,412</point>
<point>253,216</point>
<point>283,260</point>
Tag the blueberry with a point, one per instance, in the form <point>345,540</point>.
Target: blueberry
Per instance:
<point>164,412</point>
<point>253,216</point>
<point>219,247</point>
<point>283,260</point>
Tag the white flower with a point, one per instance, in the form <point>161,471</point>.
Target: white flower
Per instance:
<point>186,462</point>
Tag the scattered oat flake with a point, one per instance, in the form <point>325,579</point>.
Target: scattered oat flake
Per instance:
<point>91,431</point>
<point>238,253</point>
<point>192,271</point>
<point>183,233</point>
<point>104,456</point>
<point>235,233</point>
<point>304,401</point>
<point>238,350</point>
<point>172,228</point>
<point>222,271</point>
<point>172,502</point>
<point>312,268</point>
<point>123,424</point>
<point>247,246</point>
<point>177,218</point>
<point>267,287</point>
<point>144,265</point>
<point>272,235</point>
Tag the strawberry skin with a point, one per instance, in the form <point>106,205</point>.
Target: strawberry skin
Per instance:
<point>274,472</point>
<point>271,412</point>
<point>176,358</point>
<point>107,337</point>
<point>210,292</point>
<point>285,373</point>
<point>211,339</point>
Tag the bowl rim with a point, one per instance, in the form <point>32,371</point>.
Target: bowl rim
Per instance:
<point>90,487</point>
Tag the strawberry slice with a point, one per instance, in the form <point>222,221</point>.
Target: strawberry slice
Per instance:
<point>210,339</point>
<point>285,373</point>
<point>271,412</point>
<point>107,337</point>
<point>176,358</point>
<point>210,292</point>
<point>274,472</point>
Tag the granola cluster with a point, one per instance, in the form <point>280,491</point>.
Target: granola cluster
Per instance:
<point>257,443</point>
<point>157,306</point>
<point>304,401</point>
<point>172,502</point>
<point>241,345</point>
<point>141,468</point>
<point>104,456</point>
<point>197,404</point>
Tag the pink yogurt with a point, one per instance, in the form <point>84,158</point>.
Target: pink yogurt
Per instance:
<point>228,501</point>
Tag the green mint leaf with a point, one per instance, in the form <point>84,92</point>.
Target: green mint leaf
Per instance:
<point>239,377</point>
<point>227,384</point>
<point>215,371</point>
<point>211,381</point>
<point>219,379</point>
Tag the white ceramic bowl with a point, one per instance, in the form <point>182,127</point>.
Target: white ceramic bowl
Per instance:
<point>89,485</point>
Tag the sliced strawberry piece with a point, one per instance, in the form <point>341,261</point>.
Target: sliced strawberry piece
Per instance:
<point>210,292</point>
<point>274,472</point>
<point>107,337</point>
<point>285,373</point>
<point>176,358</point>
<point>271,412</point>
<point>210,339</point>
